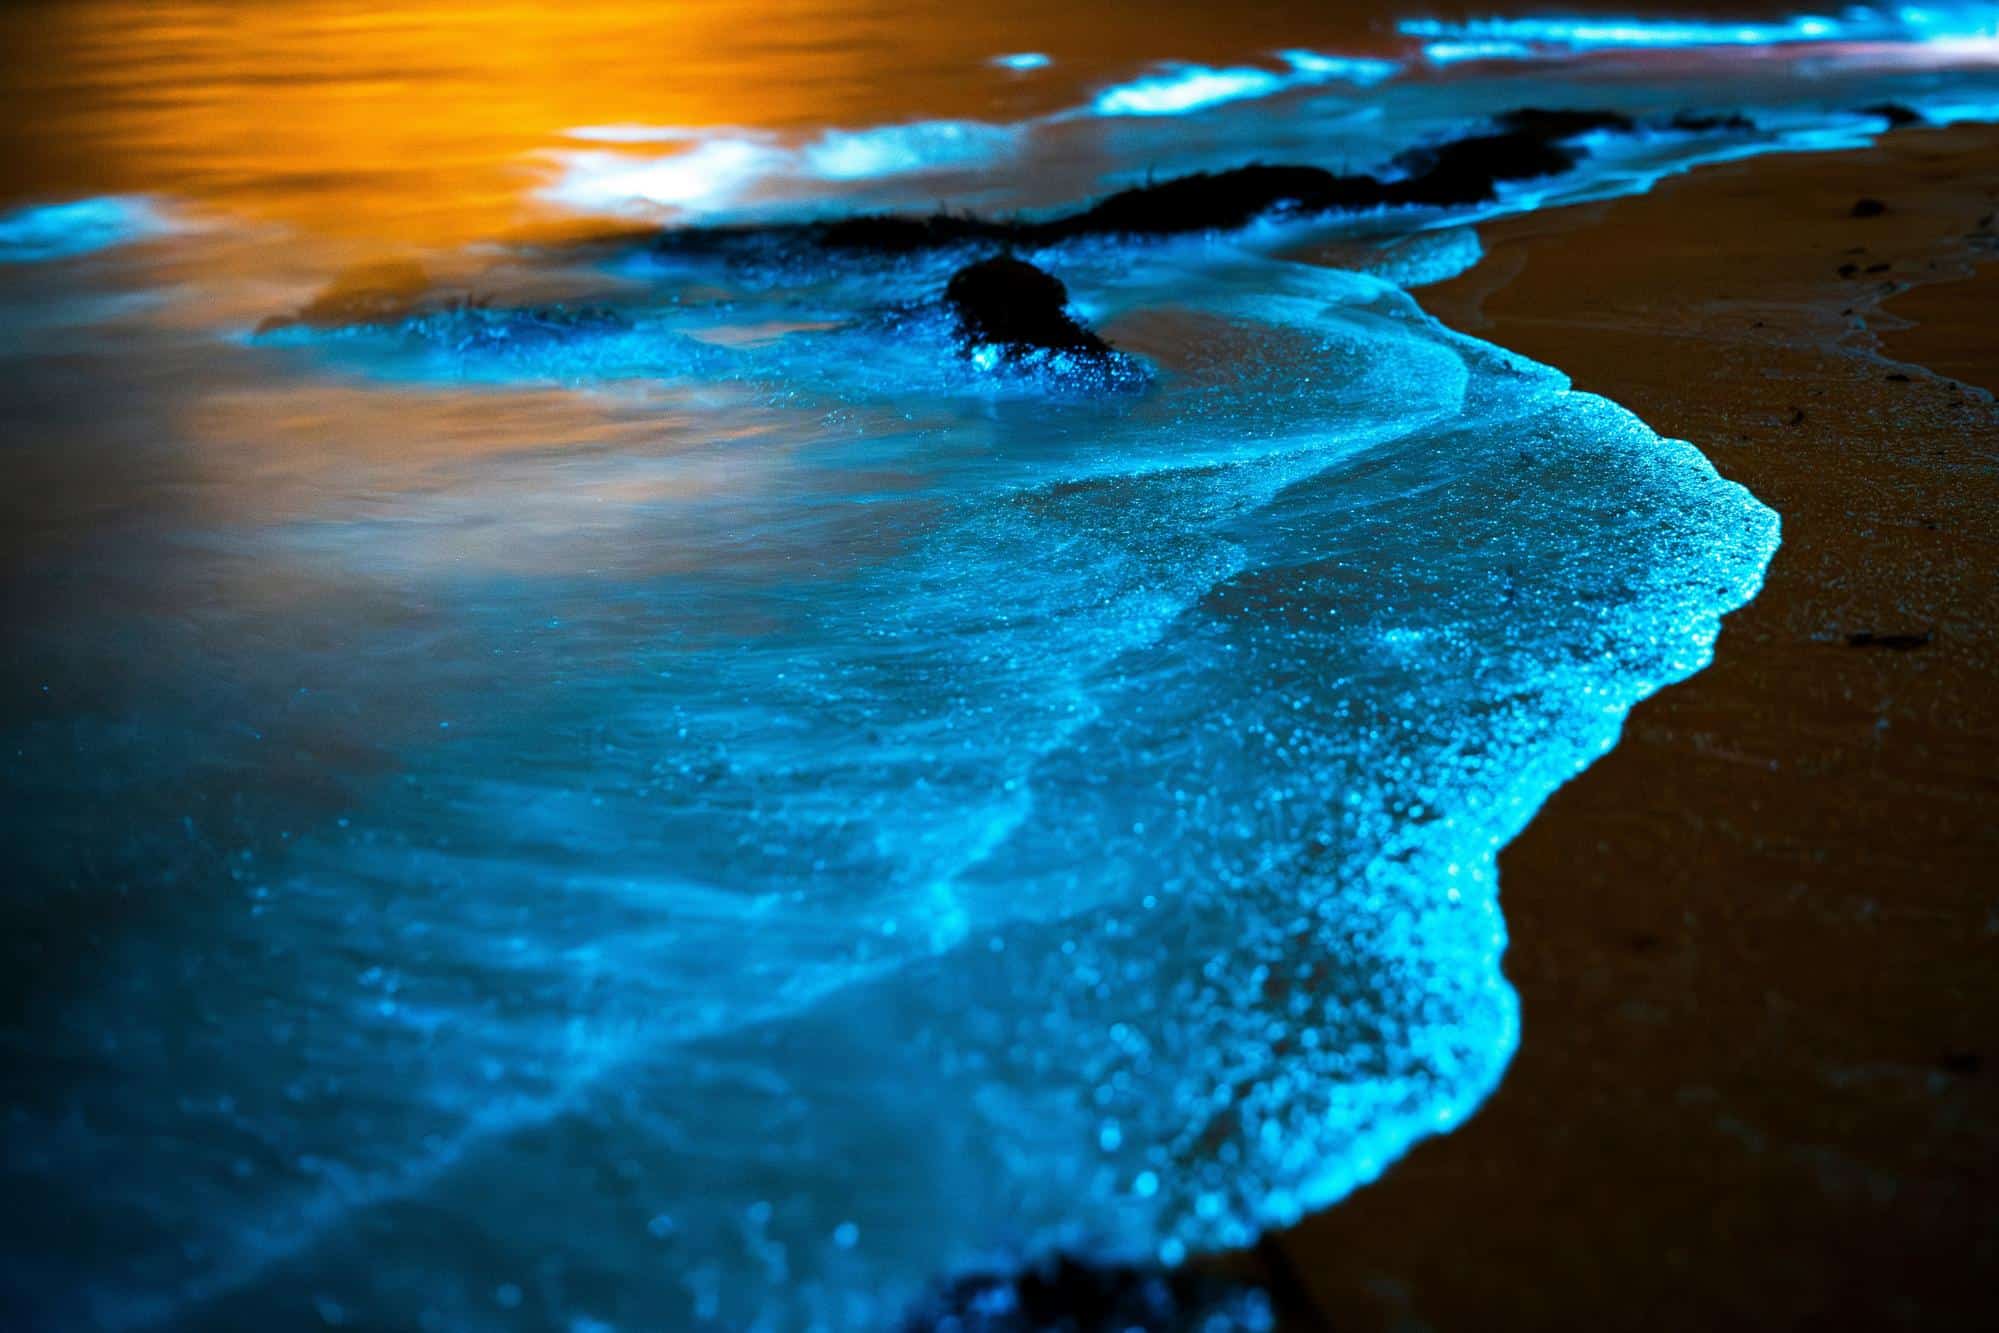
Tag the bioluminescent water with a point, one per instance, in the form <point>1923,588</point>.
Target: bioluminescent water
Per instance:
<point>35,233</point>
<point>618,788</point>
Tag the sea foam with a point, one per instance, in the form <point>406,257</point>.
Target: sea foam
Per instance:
<point>996,821</point>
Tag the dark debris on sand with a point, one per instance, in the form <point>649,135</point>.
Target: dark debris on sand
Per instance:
<point>1895,642</point>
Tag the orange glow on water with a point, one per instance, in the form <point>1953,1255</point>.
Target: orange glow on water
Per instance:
<point>424,122</point>
<point>430,123</point>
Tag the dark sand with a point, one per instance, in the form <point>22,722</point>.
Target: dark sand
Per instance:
<point>1758,944</point>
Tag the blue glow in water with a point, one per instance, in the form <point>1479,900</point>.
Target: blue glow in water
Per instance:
<point>1954,111</point>
<point>1183,88</point>
<point>1178,89</point>
<point>1035,163</point>
<point>1428,257</point>
<point>705,177</point>
<point>1315,66</point>
<point>1593,34</point>
<point>79,227</point>
<point>1458,50</point>
<point>732,811</point>
<point>893,150</point>
<point>1023,61</point>
<point>891,821</point>
<point>717,170</point>
<point>1452,41</point>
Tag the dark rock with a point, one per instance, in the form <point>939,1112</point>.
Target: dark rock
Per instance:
<point>1012,303</point>
<point>893,234</point>
<point>1530,144</point>
<point>1695,122</point>
<point>1898,378</point>
<point>1219,201</point>
<point>1069,1296</point>
<point>1547,124</point>
<point>1533,142</point>
<point>1868,208</point>
<point>1961,1062</point>
<point>1897,115</point>
<point>1848,270</point>
<point>1526,144</point>
<point>1468,171</point>
<point>1900,642</point>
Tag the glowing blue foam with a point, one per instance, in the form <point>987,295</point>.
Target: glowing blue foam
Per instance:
<point>1315,67</point>
<point>1179,88</point>
<point>893,150</point>
<point>845,819</point>
<point>1428,257</point>
<point>1450,41</point>
<point>1457,51</point>
<point>1183,88</point>
<point>706,177</point>
<point>79,227</point>
<point>1023,60</point>
<point>714,171</point>
<point>1955,111</point>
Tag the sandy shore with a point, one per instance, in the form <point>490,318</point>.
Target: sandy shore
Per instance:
<point>1758,945</point>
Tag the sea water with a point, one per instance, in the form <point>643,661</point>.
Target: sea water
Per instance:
<point>727,808</point>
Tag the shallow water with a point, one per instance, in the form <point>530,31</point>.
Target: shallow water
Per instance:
<point>726,811</point>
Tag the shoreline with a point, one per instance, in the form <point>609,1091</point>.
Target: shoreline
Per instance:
<point>1755,960</point>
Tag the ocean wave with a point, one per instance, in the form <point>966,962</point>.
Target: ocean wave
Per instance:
<point>1448,41</point>
<point>1177,89</point>
<point>1080,811</point>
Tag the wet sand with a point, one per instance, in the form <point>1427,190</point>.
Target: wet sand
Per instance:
<point>1757,945</point>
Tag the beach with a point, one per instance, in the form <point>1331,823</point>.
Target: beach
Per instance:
<point>879,670</point>
<point>1755,944</point>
